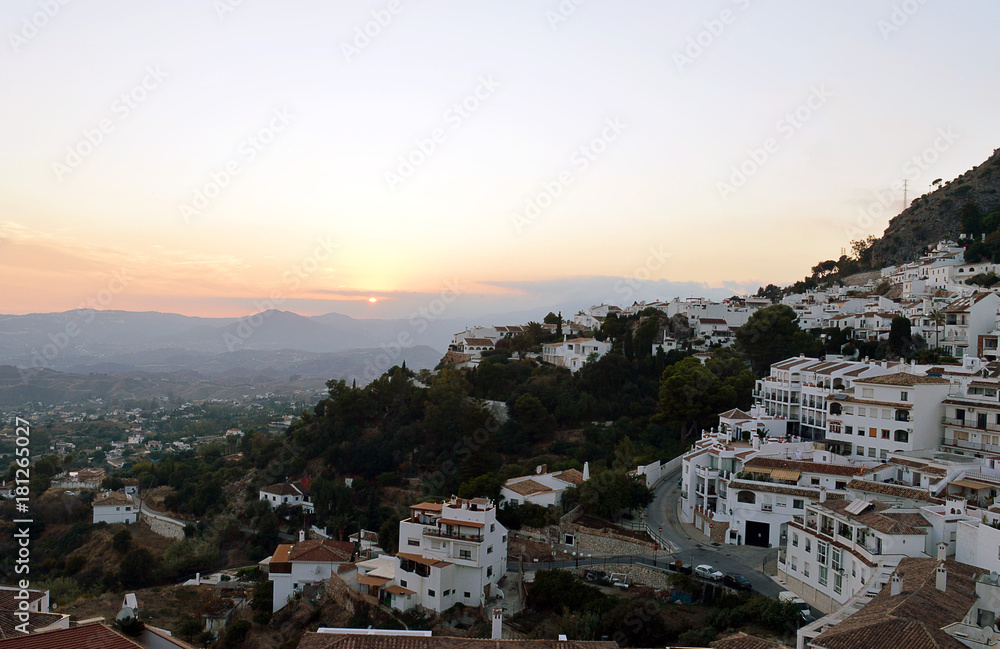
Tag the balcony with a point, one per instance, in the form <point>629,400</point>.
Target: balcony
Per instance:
<point>972,424</point>
<point>436,533</point>
<point>970,446</point>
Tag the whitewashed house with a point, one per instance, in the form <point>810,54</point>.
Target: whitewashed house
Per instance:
<point>115,507</point>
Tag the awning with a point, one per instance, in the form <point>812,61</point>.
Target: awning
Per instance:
<point>765,470</point>
<point>972,484</point>
<point>785,474</point>
<point>367,580</point>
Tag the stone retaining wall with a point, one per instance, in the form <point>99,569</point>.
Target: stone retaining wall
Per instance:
<point>164,528</point>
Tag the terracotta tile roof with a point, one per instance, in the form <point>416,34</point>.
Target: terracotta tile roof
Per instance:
<point>744,641</point>
<point>8,603</point>
<point>479,342</point>
<point>775,489</point>
<point>914,464</point>
<point>805,466</point>
<point>87,636</point>
<point>428,507</point>
<point>735,413</point>
<point>879,518</point>
<point>914,618</point>
<point>421,559</point>
<point>902,378</point>
<point>900,491</point>
<point>36,621</point>
<point>321,550</point>
<point>527,487</point>
<point>312,640</point>
<point>113,499</point>
<point>571,476</point>
<point>283,489</point>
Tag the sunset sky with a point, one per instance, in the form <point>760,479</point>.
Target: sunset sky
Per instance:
<point>202,156</point>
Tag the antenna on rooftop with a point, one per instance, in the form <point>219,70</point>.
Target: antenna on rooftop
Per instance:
<point>905,183</point>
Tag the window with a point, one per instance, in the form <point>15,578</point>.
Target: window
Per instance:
<point>814,482</point>
<point>489,550</point>
<point>805,569</point>
<point>822,550</point>
<point>402,582</point>
<point>885,433</point>
<point>794,561</point>
<point>868,393</point>
<point>446,593</point>
<point>489,571</point>
<point>886,413</point>
<point>797,504</point>
<point>854,568</point>
<point>849,430</point>
<point>838,582</point>
<point>871,452</point>
<point>746,497</point>
<point>808,545</point>
<point>823,574</point>
<point>904,396</point>
<point>841,485</point>
<point>901,436</point>
<point>795,539</point>
<point>504,538</point>
<point>467,594</point>
<point>493,527</point>
<point>862,411</point>
<point>413,542</point>
<point>861,431</point>
<point>837,559</point>
<point>873,432</point>
<point>430,592</point>
<point>860,450</point>
<point>465,554</point>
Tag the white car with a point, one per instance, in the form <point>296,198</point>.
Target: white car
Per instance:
<point>706,571</point>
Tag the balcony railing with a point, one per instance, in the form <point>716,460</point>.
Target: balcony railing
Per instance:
<point>430,531</point>
<point>971,446</point>
<point>971,423</point>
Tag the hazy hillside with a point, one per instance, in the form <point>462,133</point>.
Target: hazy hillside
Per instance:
<point>196,377</point>
<point>937,215</point>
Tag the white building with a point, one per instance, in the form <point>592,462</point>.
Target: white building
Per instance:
<point>574,353</point>
<point>542,488</point>
<point>115,507</point>
<point>292,494</point>
<point>887,414</point>
<point>295,566</point>
<point>449,553</point>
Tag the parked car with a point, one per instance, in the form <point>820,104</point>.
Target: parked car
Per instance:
<point>706,571</point>
<point>739,582</point>
<point>800,604</point>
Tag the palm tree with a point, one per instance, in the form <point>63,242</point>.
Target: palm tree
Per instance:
<point>937,317</point>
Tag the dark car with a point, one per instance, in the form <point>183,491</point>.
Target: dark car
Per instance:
<point>739,582</point>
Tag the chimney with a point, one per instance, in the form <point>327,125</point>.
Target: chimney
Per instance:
<point>497,624</point>
<point>562,637</point>
<point>896,585</point>
<point>822,494</point>
<point>541,468</point>
<point>942,578</point>
<point>586,471</point>
<point>942,548</point>
<point>302,536</point>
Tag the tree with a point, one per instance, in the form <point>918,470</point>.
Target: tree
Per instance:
<point>900,339</point>
<point>772,334</point>
<point>938,318</point>
<point>532,418</point>
<point>551,319</point>
<point>692,393</point>
<point>121,541</point>
<point>137,569</point>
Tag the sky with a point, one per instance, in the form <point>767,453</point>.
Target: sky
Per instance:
<point>371,158</point>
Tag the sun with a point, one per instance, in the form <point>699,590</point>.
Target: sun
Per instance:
<point>373,300</point>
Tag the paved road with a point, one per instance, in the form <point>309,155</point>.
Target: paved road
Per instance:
<point>694,548</point>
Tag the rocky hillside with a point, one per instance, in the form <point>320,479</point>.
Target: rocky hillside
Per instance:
<point>937,215</point>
